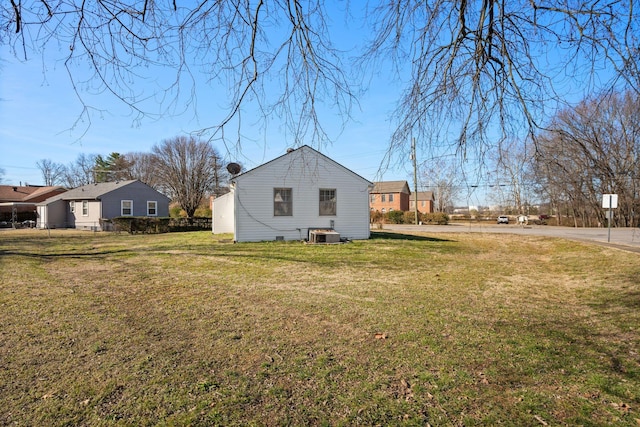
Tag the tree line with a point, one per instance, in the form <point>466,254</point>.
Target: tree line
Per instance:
<point>587,150</point>
<point>184,168</point>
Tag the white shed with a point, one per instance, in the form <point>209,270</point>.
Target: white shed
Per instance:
<point>222,214</point>
<point>293,195</point>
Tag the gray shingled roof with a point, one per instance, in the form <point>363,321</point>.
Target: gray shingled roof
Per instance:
<point>89,191</point>
<point>94,191</point>
<point>391,187</point>
<point>422,195</point>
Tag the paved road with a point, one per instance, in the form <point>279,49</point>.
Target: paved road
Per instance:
<point>623,238</point>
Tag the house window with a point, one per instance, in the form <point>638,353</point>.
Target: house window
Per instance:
<point>412,204</point>
<point>384,210</point>
<point>383,197</point>
<point>282,203</point>
<point>373,198</point>
<point>152,208</point>
<point>85,208</point>
<point>327,201</point>
<point>72,206</point>
<point>126,207</point>
<point>391,197</point>
<point>422,203</point>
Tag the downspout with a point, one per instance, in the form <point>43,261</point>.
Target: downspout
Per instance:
<point>100,216</point>
<point>233,189</point>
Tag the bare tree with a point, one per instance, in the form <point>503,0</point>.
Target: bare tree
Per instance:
<point>186,168</point>
<point>514,176</point>
<point>245,46</point>
<point>481,73</point>
<point>52,173</point>
<point>81,172</point>
<point>474,73</point>
<point>443,178</point>
<point>594,149</point>
<point>142,166</point>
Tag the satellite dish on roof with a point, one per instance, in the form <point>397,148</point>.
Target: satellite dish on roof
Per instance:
<point>234,168</point>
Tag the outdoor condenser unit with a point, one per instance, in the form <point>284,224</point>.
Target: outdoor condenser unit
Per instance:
<point>324,236</point>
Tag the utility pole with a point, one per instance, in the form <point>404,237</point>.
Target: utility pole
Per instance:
<point>415,177</point>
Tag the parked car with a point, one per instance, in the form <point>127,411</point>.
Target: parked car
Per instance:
<point>29,223</point>
<point>5,224</point>
<point>503,219</point>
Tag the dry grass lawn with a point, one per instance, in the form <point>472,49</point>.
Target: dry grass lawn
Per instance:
<point>184,329</point>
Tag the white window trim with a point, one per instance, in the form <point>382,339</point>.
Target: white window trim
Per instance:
<point>122,208</point>
<point>72,206</point>
<point>335,202</point>
<point>289,202</point>
<point>155,207</point>
<point>85,208</point>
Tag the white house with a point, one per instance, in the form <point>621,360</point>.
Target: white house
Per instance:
<point>293,195</point>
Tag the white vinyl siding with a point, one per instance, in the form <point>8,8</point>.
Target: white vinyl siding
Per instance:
<point>223,214</point>
<point>305,172</point>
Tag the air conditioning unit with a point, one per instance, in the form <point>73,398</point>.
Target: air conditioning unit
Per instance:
<point>324,236</point>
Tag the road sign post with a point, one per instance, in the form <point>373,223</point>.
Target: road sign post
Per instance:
<point>609,201</point>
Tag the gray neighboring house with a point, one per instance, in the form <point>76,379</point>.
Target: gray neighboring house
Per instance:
<point>85,207</point>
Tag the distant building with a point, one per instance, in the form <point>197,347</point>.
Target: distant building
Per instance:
<point>86,207</point>
<point>18,203</point>
<point>426,202</point>
<point>389,196</point>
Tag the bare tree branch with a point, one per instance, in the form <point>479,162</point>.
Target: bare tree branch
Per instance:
<point>483,73</point>
<point>475,74</point>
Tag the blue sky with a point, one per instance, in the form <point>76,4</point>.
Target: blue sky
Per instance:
<point>39,113</point>
<point>39,109</point>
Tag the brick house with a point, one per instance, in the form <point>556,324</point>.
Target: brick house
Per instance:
<point>387,196</point>
<point>425,202</point>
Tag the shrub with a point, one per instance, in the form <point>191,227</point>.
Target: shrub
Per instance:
<point>145,225</point>
<point>375,217</point>
<point>176,212</point>
<point>395,217</point>
<point>203,212</point>
<point>439,218</point>
<point>153,225</point>
<point>410,217</point>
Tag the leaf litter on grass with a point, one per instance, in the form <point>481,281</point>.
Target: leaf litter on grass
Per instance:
<point>129,329</point>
